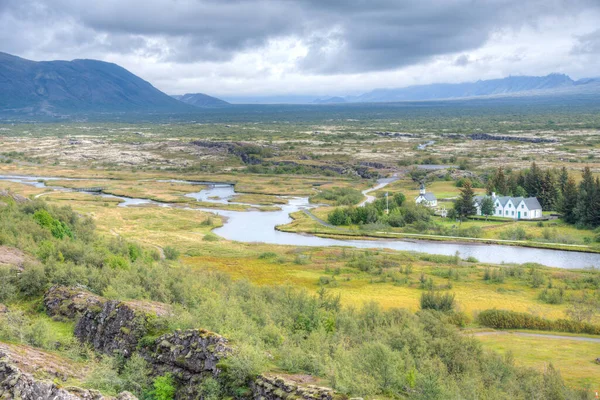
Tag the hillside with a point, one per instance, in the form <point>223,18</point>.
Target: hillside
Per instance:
<point>200,100</point>
<point>58,87</point>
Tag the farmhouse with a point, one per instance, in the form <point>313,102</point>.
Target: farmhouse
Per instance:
<point>512,207</point>
<point>425,198</point>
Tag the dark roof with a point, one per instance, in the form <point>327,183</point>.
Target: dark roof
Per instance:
<point>430,197</point>
<point>531,203</point>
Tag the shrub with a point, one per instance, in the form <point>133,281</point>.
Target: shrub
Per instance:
<point>211,237</point>
<point>267,255</point>
<point>517,233</point>
<point>340,196</point>
<point>171,253</point>
<point>436,301</point>
<point>164,388</point>
<point>505,319</point>
<point>552,296</point>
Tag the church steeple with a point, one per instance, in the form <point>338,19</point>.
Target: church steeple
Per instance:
<point>422,189</point>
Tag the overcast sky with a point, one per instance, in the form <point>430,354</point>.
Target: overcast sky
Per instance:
<point>317,47</point>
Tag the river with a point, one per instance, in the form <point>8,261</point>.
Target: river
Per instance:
<point>259,226</point>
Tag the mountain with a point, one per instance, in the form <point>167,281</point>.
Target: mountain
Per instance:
<point>201,100</point>
<point>275,99</point>
<point>58,87</point>
<point>330,100</point>
<point>494,87</point>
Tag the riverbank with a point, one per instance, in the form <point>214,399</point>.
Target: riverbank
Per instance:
<point>307,223</point>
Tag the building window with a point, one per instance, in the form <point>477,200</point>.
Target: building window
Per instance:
<point>513,213</point>
<point>525,213</point>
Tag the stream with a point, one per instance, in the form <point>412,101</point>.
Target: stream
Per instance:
<point>259,226</point>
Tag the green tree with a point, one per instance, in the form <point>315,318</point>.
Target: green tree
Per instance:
<point>563,179</point>
<point>586,198</point>
<point>533,181</point>
<point>465,205</point>
<point>550,193</point>
<point>499,182</point>
<point>519,192</point>
<point>568,203</point>
<point>487,207</point>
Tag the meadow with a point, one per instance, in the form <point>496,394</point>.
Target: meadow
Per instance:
<point>306,158</point>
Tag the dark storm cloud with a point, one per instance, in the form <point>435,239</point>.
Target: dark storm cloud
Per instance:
<point>342,36</point>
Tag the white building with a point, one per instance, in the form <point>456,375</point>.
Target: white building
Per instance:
<point>425,198</point>
<point>512,207</point>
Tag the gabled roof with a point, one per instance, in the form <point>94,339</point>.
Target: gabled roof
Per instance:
<point>503,200</point>
<point>430,197</point>
<point>532,203</point>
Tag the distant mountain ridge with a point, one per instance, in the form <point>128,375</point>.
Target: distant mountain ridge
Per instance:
<point>512,85</point>
<point>55,87</point>
<point>200,100</point>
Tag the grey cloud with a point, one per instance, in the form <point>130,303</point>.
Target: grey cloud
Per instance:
<point>462,60</point>
<point>588,44</point>
<point>342,36</point>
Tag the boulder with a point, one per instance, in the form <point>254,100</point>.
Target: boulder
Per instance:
<point>69,302</point>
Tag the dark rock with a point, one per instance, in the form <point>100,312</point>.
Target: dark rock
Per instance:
<point>487,136</point>
<point>190,356</point>
<point>277,388</point>
<point>112,328</point>
<point>394,134</point>
<point>14,384</point>
<point>69,302</point>
<point>373,164</point>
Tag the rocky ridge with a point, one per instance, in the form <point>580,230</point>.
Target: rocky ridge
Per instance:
<point>18,385</point>
<point>190,356</point>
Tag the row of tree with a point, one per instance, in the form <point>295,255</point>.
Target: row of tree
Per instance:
<point>555,190</point>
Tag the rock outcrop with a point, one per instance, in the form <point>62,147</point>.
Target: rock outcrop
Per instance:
<point>190,356</point>
<point>487,136</point>
<point>69,302</point>
<point>17,385</point>
<point>17,198</point>
<point>110,326</point>
<point>113,328</point>
<point>277,388</point>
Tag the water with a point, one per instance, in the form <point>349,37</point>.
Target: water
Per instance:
<point>258,226</point>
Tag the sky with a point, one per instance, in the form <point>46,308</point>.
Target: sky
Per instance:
<point>309,47</point>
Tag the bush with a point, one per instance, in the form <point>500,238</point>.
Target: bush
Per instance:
<point>436,301</point>
<point>211,237</point>
<point>552,296</point>
<point>171,253</point>
<point>164,388</point>
<point>340,196</point>
<point>505,319</point>
<point>267,255</point>
<point>517,233</point>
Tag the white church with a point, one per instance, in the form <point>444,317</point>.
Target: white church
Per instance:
<point>426,198</point>
<point>512,207</point>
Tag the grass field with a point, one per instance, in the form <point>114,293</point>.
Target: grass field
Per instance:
<point>574,359</point>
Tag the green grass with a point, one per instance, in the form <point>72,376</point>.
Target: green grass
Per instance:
<point>574,359</point>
